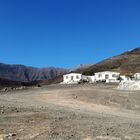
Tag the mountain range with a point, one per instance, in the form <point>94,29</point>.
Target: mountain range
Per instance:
<point>28,74</point>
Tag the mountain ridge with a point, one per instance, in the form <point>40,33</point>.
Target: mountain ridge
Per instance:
<point>22,73</point>
<point>126,63</point>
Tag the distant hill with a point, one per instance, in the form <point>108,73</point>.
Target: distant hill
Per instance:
<point>126,63</point>
<point>23,73</point>
<point>80,68</point>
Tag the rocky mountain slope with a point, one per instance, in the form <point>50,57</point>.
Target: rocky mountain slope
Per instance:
<point>15,84</point>
<point>27,74</point>
<point>80,68</point>
<point>126,63</point>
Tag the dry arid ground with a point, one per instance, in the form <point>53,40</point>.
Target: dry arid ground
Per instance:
<point>70,112</point>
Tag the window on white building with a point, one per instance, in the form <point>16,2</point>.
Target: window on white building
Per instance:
<point>106,76</point>
<point>77,77</point>
<point>72,77</point>
<point>67,77</point>
<point>114,75</point>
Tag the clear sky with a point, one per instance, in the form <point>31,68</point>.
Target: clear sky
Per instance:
<point>65,33</point>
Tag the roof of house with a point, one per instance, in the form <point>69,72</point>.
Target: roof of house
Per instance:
<point>73,74</point>
<point>107,72</point>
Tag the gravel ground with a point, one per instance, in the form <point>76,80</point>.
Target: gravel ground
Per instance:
<point>70,112</point>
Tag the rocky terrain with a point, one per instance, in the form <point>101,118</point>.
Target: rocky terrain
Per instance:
<point>28,74</point>
<point>126,63</point>
<point>70,112</point>
<point>80,68</point>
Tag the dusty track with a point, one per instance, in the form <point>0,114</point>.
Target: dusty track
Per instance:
<point>71,112</point>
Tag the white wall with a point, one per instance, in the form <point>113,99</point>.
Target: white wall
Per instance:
<point>91,79</point>
<point>72,77</point>
<point>85,78</point>
<point>106,76</point>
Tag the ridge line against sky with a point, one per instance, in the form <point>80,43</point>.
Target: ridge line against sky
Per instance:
<point>66,33</point>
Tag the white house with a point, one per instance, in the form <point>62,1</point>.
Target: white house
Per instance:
<point>91,79</point>
<point>107,76</point>
<point>137,76</point>
<point>72,78</point>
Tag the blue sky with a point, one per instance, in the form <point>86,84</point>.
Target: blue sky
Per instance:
<point>65,33</point>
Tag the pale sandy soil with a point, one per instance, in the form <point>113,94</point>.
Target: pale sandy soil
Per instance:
<point>71,112</point>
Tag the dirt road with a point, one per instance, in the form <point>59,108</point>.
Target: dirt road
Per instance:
<point>70,112</point>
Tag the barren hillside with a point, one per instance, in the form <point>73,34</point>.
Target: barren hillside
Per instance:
<point>126,63</point>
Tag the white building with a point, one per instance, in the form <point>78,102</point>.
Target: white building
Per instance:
<point>84,78</point>
<point>72,78</point>
<point>107,76</point>
<point>91,79</point>
<point>137,76</point>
